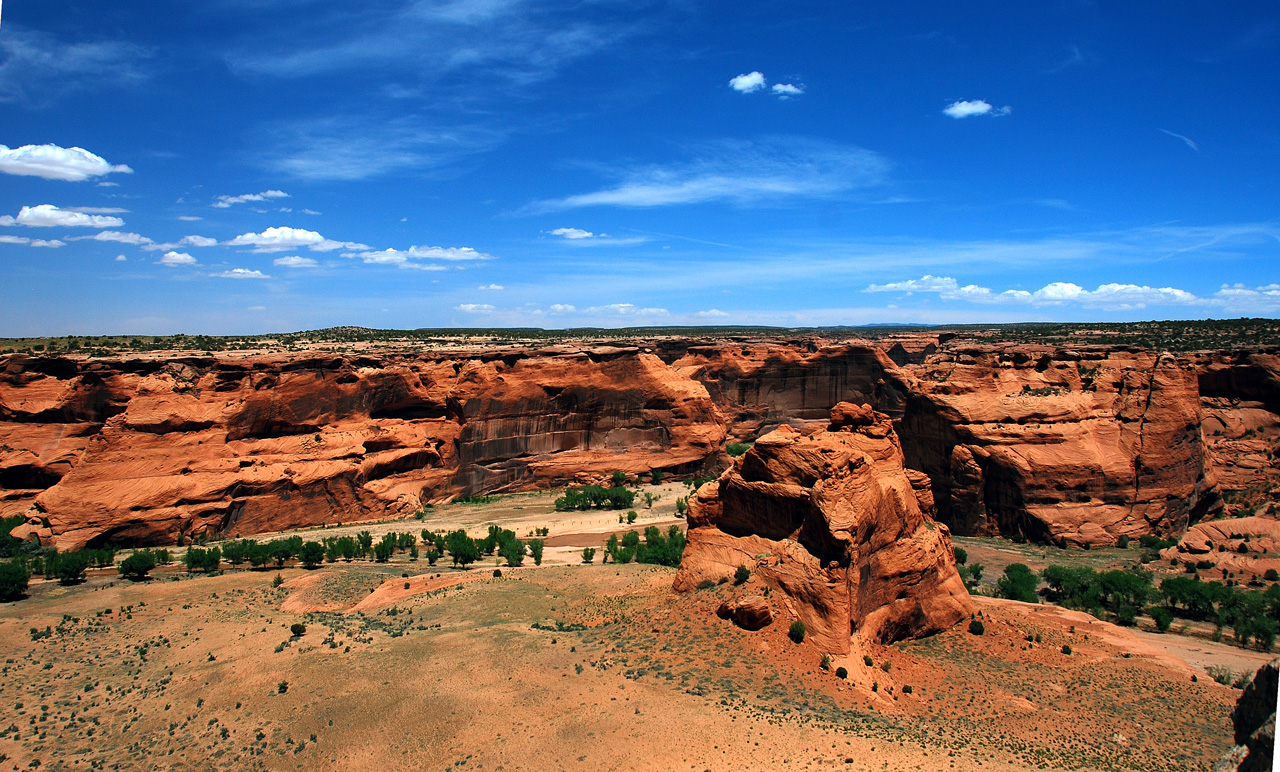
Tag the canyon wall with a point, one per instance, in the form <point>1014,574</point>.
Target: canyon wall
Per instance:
<point>1067,445</point>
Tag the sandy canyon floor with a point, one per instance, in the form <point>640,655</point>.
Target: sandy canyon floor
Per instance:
<point>571,667</point>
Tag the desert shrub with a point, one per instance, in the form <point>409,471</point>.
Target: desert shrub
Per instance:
<point>282,687</point>
<point>736,449</point>
<point>497,573</point>
<point>536,546</point>
<point>618,478</point>
<point>1123,541</point>
<point>797,631</point>
<point>1018,583</point>
<point>277,581</point>
<point>655,476</point>
<point>825,664</point>
<point>682,506</point>
<point>136,567</point>
<point>976,627</point>
<point>297,629</point>
<point>706,584</point>
<point>906,689</point>
<point>742,575</point>
<point>1271,575</point>
<point>588,554</point>
<point>1163,618</point>
<point>842,673</point>
<point>312,554</point>
<point>962,555</point>
<point>10,545</point>
<point>631,517</point>
<point>971,575</point>
<point>1066,648</point>
<point>14,578</point>
<point>433,554</point>
<point>1151,542</point>
<point>866,660</point>
<point>66,567</point>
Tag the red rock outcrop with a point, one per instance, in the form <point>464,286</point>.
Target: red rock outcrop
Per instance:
<point>832,523</point>
<point>139,451</point>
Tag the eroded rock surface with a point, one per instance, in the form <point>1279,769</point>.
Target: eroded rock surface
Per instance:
<point>832,523</point>
<point>1254,722</point>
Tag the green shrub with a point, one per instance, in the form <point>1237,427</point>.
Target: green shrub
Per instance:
<point>962,555</point>
<point>736,449</point>
<point>588,554</point>
<point>866,660</point>
<point>1066,648</point>
<point>1123,542</point>
<point>66,567</point>
<point>1271,575</point>
<point>825,664</point>
<point>976,627</point>
<point>655,476</point>
<point>742,575</point>
<point>536,546</point>
<point>1018,583</point>
<point>797,631</point>
<point>1163,618</point>
<point>282,687</point>
<point>842,673</point>
<point>297,629</point>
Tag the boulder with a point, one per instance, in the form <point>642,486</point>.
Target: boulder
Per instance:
<point>751,613</point>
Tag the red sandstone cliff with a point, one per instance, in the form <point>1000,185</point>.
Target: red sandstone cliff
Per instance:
<point>834,524</point>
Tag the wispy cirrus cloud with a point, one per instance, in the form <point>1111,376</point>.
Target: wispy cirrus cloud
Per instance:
<point>71,164</point>
<point>37,68</point>
<point>743,173</point>
<point>223,202</point>
<point>1185,139</point>
<point>51,243</point>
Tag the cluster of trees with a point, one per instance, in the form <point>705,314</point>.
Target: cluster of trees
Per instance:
<point>665,550</point>
<point>596,497</point>
<point>1254,617</point>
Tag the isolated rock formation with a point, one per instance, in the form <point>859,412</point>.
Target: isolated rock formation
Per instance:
<point>833,524</point>
<point>1254,722</point>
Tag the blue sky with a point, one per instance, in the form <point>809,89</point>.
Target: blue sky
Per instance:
<point>238,166</point>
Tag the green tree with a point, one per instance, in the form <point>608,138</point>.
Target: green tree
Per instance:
<point>14,578</point>
<point>588,554</point>
<point>618,478</point>
<point>535,550</point>
<point>1018,583</point>
<point>462,548</point>
<point>962,556</point>
<point>136,567</point>
<point>312,555</point>
<point>66,567</point>
<point>512,550</point>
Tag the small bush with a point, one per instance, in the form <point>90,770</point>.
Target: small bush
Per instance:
<point>282,687</point>
<point>907,689</point>
<point>1162,617</point>
<point>497,573</point>
<point>279,580</point>
<point>736,449</point>
<point>826,662</point>
<point>588,554</point>
<point>797,631</point>
<point>1271,575</point>
<point>962,556</point>
<point>1123,542</point>
<point>976,628</point>
<point>866,660</point>
<point>136,567</point>
<point>842,673</point>
<point>1066,648</point>
<point>298,629</point>
<point>706,584</point>
<point>741,575</point>
<point>13,581</point>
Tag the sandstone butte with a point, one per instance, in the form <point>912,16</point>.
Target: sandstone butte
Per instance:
<point>1071,445</point>
<point>835,524</point>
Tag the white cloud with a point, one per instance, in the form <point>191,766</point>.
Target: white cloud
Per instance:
<point>562,308</point>
<point>175,259</point>
<point>189,218</point>
<point>969,107</point>
<point>119,237</point>
<point>475,308</point>
<point>199,241</point>
<point>572,233</point>
<point>787,89</point>
<point>752,81</point>
<point>121,258</point>
<point>743,173</point>
<point>284,238</point>
<point>626,309</point>
<point>494,287</point>
<point>97,209</point>
<point>1189,142</point>
<point>51,243</point>
<point>404,258</point>
<point>1114,295</point>
<point>108,184</point>
<point>7,239</point>
<point>37,68</point>
<point>293,261</point>
<point>225,201</point>
<point>240,273</point>
<point>309,211</point>
<point>257,308</point>
<point>50,216</point>
<point>73,164</point>
<point>713,313</point>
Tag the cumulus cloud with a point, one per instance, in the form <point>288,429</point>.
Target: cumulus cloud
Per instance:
<point>6,239</point>
<point>121,258</point>
<point>752,81</point>
<point>240,273</point>
<point>199,241</point>
<point>50,216</point>
<point>562,308</point>
<point>493,287</point>
<point>175,259</point>
<point>572,233</point>
<point>740,172</point>
<point>626,309</point>
<point>284,238</point>
<point>293,261</point>
<point>970,107</point>
<point>52,243</point>
<point>475,308</point>
<point>787,89</point>
<point>73,164</point>
<point>1114,295</point>
<point>224,202</point>
<point>119,237</point>
<point>712,313</point>
<point>405,258</point>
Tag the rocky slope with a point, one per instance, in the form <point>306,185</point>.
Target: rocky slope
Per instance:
<point>1076,445</point>
<point>837,527</point>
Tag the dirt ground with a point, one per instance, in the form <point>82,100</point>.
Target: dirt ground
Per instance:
<point>570,667</point>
